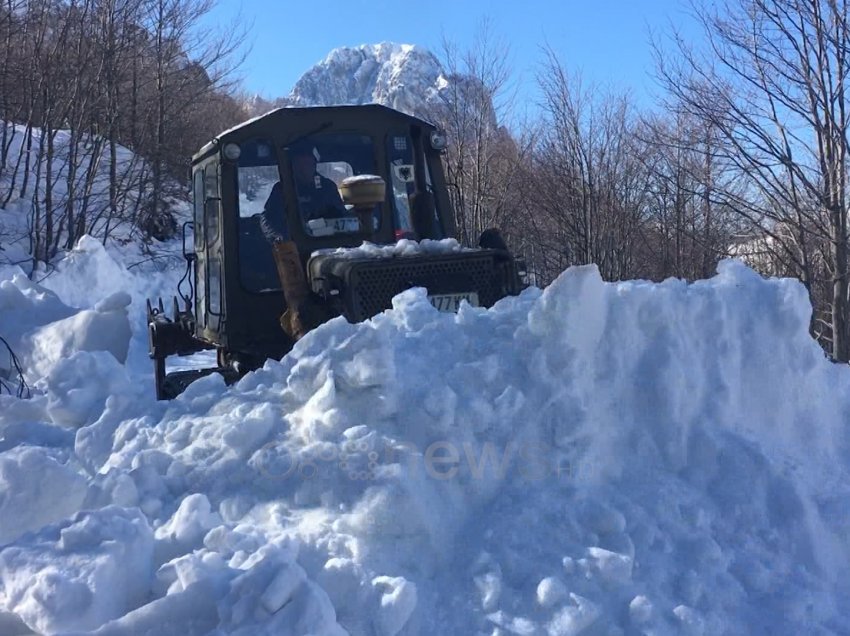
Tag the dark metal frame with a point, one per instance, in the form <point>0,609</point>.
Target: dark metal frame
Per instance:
<point>245,330</point>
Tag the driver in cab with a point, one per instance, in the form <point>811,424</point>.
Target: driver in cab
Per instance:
<point>318,198</point>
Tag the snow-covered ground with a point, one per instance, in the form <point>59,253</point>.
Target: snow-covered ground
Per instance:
<point>590,459</point>
<point>25,183</point>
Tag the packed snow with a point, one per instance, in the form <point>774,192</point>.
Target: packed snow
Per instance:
<point>404,247</point>
<point>594,458</point>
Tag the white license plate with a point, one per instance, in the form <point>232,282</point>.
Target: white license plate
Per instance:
<point>451,302</point>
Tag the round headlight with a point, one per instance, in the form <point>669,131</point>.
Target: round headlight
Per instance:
<point>232,151</point>
<point>438,140</point>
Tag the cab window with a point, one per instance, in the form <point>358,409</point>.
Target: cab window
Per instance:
<point>198,201</point>
<point>402,178</point>
<point>437,227</point>
<point>259,193</point>
<point>319,165</point>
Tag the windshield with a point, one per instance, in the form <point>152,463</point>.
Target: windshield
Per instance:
<point>259,195</point>
<point>319,165</point>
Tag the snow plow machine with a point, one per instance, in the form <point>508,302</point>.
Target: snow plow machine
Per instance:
<point>274,201</point>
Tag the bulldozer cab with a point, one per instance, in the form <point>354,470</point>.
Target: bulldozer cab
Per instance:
<point>298,176</point>
<point>283,170</point>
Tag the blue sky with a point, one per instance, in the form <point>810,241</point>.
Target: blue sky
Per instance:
<point>606,40</point>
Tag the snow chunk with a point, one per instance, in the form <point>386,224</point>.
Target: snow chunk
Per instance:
<point>283,586</point>
<point>79,385</point>
<point>271,594</point>
<point>89,276</point>
<point>25,306</point>
<point>640,610</point>
<point>187,527</point>
<point>691,622</point>
<point>489,586</point>
<point>89,330</point>
<point>35,490</point>
<point>551,591</point>
<point>398,601</point>
<point>79,574</point>
<point>610,565</point>
<point>115,302</point>
<point>574,619</point>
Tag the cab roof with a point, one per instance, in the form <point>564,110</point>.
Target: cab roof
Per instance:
<point>284,124</point>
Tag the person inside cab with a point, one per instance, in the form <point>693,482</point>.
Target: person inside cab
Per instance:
<point>318,197</point>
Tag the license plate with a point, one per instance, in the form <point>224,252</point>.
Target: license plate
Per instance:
<point>451,302</point>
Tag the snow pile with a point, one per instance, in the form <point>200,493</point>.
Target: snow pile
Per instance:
<point>404,247</point>
<point>104,328</point>
<point>23,307</point>
<point>80,337</point>
<point>44,332</point>
<point>592,459</point>
<point>80,573</point>
<point>28,480</point>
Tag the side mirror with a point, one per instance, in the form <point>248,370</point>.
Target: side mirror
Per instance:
<point>188,254</point>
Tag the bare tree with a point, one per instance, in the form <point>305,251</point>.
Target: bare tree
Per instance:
<point>688,231</point>
<point>84,81</point>
<point>484,158</point>
<point>590,188</point>
<point>772,85</point>
<point>12,374</point>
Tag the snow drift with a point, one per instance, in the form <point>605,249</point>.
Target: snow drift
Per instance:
<point>595,458</point>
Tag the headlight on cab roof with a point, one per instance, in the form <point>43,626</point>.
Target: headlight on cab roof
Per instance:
<point>438,140</point>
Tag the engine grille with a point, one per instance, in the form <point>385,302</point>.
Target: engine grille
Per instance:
<point>372,284</point>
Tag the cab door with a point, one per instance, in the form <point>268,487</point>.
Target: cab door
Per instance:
<point>200,273</point>
<point>209,281</point>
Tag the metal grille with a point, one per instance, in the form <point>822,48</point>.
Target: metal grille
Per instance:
<point>373,285</point>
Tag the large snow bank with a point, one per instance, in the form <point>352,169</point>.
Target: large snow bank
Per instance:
<point>24,182</point>
<point>43,331</point>
<point>91,301</point>
<point>592,459</point>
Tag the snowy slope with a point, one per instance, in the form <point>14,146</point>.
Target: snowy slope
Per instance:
<point>595,458</point>
<point>23,180</point>
<point>406,77</point>
<point>111,283</point>
<point>28,184</point>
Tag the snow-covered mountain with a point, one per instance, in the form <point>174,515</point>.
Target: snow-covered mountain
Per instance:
<point>406,77</point>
